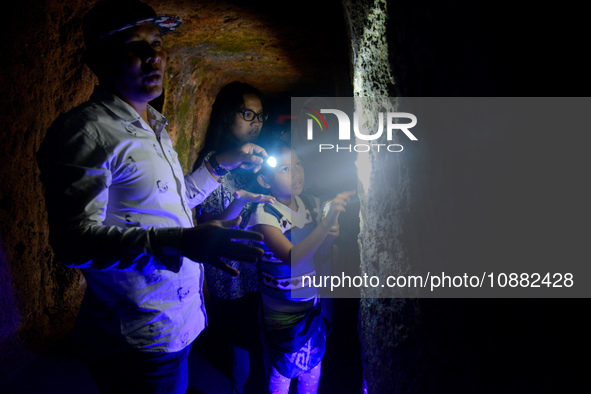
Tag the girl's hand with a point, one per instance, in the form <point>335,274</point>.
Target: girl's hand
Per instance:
<point>336,207</point>
<point>334,231</point>
<point>247,196</point>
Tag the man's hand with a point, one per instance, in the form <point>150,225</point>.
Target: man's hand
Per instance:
<point>247,156</point>
<point>209,242</point>
<point>246,196</point>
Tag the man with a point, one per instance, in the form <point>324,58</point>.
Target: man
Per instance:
<point>119,208</point>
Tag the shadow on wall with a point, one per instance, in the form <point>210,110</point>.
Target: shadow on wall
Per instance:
<point>10,317</point>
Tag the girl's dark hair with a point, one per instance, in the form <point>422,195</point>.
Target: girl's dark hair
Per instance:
<point>218,136</point>
<point>273,147</point>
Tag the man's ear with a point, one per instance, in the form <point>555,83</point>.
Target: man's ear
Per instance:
<point>262,180</point>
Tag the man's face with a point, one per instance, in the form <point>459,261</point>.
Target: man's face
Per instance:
<point>136,68</point>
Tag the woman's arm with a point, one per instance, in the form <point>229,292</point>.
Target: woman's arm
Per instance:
<point>241,197</point>
<point>232,211</point>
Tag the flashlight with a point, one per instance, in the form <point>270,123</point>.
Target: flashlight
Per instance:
<point>271,160</point>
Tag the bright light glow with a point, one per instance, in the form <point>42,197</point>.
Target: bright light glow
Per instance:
<point>363,161</point>
<point>363,164</point>
<point>271,161</point>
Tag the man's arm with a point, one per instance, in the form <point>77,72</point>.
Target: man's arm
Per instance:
<point>201,182</point>
<point>75,170</point>
<point>76,175</point>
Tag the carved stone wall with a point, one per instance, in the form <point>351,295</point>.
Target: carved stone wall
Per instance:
<point>42,77</point>
<point>461,198</point>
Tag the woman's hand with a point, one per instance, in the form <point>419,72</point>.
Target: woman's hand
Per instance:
<point>247,196</point>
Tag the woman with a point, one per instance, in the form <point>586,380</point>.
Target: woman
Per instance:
<point>237,117</point>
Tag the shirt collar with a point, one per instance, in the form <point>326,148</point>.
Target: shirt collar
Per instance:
<point>125,111</point>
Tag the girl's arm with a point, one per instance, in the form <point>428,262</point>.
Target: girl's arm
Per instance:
<point>297,255</point>
<point>327,246</point>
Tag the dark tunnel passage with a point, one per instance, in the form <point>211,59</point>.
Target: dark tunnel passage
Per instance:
<point>316,49</point>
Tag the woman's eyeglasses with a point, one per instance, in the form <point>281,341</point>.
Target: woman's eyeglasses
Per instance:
<point>249,115</point>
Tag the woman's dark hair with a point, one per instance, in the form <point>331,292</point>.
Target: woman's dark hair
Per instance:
<point>218,136</point>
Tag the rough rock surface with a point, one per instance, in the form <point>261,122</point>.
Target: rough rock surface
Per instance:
<point>386,325</point>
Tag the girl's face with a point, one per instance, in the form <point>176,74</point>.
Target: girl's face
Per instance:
<point>288,176</point>
<point>248,131</point>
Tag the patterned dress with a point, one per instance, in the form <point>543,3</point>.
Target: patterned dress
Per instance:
<point>219,283</point>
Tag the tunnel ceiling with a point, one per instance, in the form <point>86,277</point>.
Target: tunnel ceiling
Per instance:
<point>283,48</point>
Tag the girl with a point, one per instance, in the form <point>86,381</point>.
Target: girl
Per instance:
<point>294,328</point>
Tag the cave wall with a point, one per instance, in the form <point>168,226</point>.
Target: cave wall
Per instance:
<point>467,196</point>
<point>43,77</point>
<point>387,326</point>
